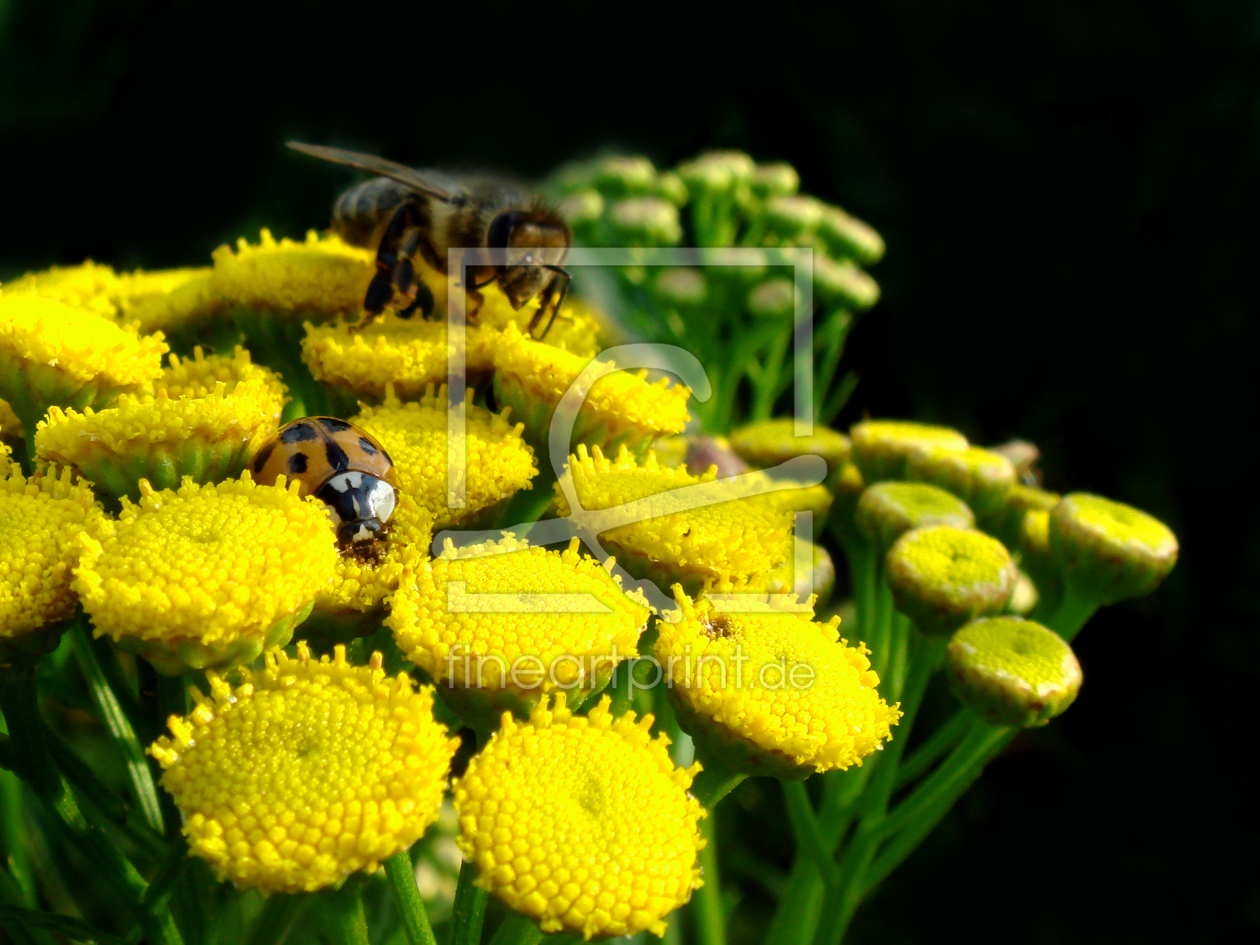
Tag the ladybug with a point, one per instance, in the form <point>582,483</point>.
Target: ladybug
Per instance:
<point>339,464</point>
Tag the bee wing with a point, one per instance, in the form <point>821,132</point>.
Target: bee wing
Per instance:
<point>408,176</point>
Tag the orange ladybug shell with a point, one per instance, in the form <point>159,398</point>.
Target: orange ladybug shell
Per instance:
<point>314,449</point>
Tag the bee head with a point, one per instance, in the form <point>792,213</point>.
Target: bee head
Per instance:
<point>534,239</point>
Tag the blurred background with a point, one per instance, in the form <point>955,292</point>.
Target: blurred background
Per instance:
<point>1069,196</point>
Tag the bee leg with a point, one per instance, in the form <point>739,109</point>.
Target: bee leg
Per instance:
<point>405,221</point>
<point>424,302</point>
<point>556,290</point>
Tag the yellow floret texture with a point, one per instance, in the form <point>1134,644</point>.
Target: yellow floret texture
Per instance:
<point>778,691</point>
<point>307,771</point>
<point>322,275</point>
<point>583,824</point>
<point>209,565</point>
<point>497,463</point>
<point>41,519</point>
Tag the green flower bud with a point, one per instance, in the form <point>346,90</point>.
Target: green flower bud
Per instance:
<point>1108,551</point>
<point>775,180</point>
<point>574,176</point>
<point>581,207</point>
<point>979,477</point>
<point>843,283</point>
<point>1034,553</point>
<point>847,236</point>
<point>942,577</point>
<point>717,172</point>
<point>790,220</point>
<point>881,447</point>
<point>669,186</point>
<point>624,176</point>
<point>774,298</point>
<point>645,221</point>
<point>1011,671</point>
<point>683,287</point>
<point>887,510</point>
<point>1006,521</point>
<point>771,442</point>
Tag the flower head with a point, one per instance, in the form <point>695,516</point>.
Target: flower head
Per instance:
<point>582,823</point>
<point>207,417</point>
<point>942,576</point>
<point>1107,550</point>
<point>318,278</point>
<point>882,447</point>
<point>1006,521</point>
<point>41,519</point>
<point>88,285</point>
<point>207,575</point>
<point>724,540</point>
<point>167,299</point>
<point>770,442</point>
<point>887,510</point>
<point>307,771</point>
<point>498,461</point>
<point>497,626</point>
<point>620,408</point>
<point>1012,671</point>
<point>979,477</point>
<point>771,692</point>
<point>55,354</point>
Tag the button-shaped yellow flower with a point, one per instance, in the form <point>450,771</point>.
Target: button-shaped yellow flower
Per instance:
<point>941,576</point>
<point>498,461</point>
<point>54,354</point>
<point>881,447</point>
<point>499,625</point>
<point>582,823</point>
<point>979,477</point>
<point>734,541</point>
<point>887,510</point>
<point>207,418</point>
<point>208,575</point>
<point>167,299</point>
<point>41,519</point>
<point>621,408</point>
<point>318,278</point>
<point>770,692</point>
<point>88,285</point>
<point>307,771</point>
<point>770,442</point>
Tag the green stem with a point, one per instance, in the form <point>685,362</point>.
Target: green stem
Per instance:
<point>279,914</point>
<point>119,726</point>
<point>1072,613</point>
<point>805,831</point>
<point>517,929</point>
<point>13,830</point>
<point>345,908</point>
<point>402,878</point>
<point>73,929</point>
<point>469,910</point>
<point>936,745</point>
<point>709,917</point>
<point>714,781</point>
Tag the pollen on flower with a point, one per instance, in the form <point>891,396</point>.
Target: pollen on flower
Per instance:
<point>206,575</point>
<point>500,624</point>
<point>41,519</point>
<point>497,461</point>
<point>582,823</point>
<point>321,276</point>
<point>88,285</point>
<point>722,540</point>
<point>306,771</point>
<point>772,692</point>
<point>620,408</point>
<point>208,416</point>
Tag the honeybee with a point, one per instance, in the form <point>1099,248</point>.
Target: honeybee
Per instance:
<point>405,211</point>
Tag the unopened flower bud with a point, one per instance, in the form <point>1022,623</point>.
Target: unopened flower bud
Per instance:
<point>881,447</point>
<point>979,477</point>
<point>1012,671</point>
<point>770,442</point>
<point>1034,553</point>
<point>684,287</point>
<point>942,577</point>
<point>1006,521</point>
<point>669,186</point>
<point>775,180</point>
<point>717,172</point>
<point>624,176</point>
<point>843,283</point>
<point>774,298</point>
<point>887,510</point>
<point>792,218</point>
<point>581,207</point>
<point>846,235</point>
<point>1109,551</point>
<point>645,221</point>
<point>1024,597</point>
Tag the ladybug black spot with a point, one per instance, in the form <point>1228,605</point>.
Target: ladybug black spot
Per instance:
<point>337,458</point>
<point>366,446</point>
<point>297,463</point>
<point>333,424</point>
<point>297,432</point>
<point>264,454</point>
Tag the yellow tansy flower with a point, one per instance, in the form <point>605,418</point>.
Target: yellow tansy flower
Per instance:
<point>499,462</point>
<point>41,519</point>
<point>207,575</point>
<point>88,285</point>
<point>722,541</point>
<point>770,442</point>
<point>207,419</point>
<point>467,622</point>
<point>320,277</point>
<point>882,447</point>
<point>167,299</point>
<point>54,354</point>
<point>620,408</point>
<point>307,771</point>
<point>582,824</point>
<point>770,692</point>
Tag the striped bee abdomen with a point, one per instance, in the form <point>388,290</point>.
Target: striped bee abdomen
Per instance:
<point>361,213</point>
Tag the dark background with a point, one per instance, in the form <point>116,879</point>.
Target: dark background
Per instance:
<point>1068,192</point>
